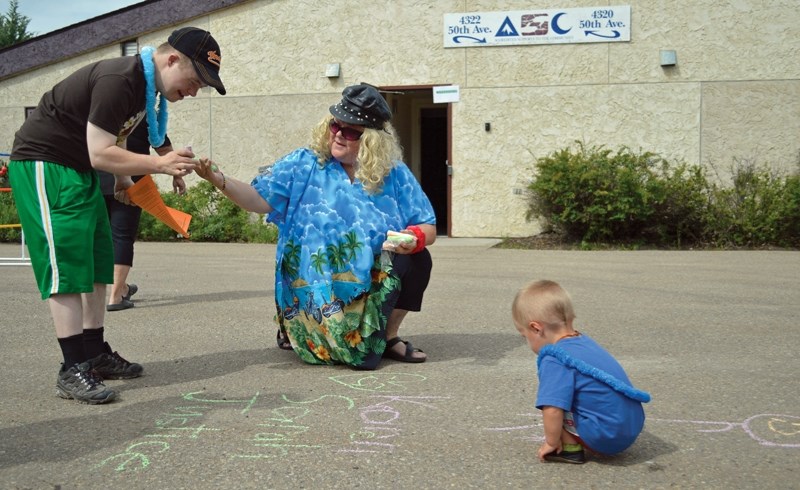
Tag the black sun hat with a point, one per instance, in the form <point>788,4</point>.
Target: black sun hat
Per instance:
<point>362,105</point>
<point>204,52</point>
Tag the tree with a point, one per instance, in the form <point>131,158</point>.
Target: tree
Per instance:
<point>13,26</point>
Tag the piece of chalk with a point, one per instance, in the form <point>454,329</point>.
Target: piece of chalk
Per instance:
<point>401,238</point>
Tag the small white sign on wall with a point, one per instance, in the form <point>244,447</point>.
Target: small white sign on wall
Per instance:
<point>446,93</point>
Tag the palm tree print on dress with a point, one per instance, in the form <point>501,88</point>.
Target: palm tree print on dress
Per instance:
<point>334,331</point>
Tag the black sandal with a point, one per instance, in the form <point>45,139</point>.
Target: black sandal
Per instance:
<point>407,356</point>
<point>283,341</point>
<point>132,289</point>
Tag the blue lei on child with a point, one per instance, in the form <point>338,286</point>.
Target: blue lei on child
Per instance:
<point>591,371</point>
<point>156,122</point>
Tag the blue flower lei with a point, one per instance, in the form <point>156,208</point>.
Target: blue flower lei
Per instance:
<point>156,122</point>
<point>591,371</point>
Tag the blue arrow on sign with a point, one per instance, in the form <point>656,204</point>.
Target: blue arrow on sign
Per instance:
<point>613,36</point>
<point>456,39</point>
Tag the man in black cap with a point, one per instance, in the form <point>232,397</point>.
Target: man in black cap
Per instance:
<point>80,125</point>
<point>203,51</point>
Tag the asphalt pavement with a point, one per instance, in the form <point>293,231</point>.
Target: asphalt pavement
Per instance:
<point>713,336</point>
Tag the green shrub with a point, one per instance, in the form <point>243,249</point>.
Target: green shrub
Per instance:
<point>8,216</point>
<point>8,210</point>
<point>595,196</point>
<point>789,224</point>
<point>680,206</point>
<point>760,208</point>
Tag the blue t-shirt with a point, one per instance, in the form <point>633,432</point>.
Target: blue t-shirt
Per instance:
<point>605,419</point>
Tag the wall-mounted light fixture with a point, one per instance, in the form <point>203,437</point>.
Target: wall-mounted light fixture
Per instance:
<point>332,70</point>
<point>668,57</point>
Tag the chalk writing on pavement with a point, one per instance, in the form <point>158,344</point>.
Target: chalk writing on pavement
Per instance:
<point>270,426</point>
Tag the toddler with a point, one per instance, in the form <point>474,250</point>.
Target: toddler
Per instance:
<point>584,394</point>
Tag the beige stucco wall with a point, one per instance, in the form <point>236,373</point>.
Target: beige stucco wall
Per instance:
<point>491,166</point>
<point>735,92</point>
<point>284,46</point>
<point>757,121</point>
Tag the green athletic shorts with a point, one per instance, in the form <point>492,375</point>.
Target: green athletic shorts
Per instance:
<point>64,218</point>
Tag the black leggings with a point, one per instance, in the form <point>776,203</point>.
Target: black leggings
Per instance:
<point>124,221</point>
<point>415,272</point>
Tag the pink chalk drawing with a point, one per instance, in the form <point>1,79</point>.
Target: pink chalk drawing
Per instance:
<point>768,429</point>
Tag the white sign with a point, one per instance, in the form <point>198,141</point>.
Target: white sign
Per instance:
<point>447,93</point>
<point>538,26</point>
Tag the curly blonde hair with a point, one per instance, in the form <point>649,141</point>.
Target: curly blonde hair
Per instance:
<point>377,153</point>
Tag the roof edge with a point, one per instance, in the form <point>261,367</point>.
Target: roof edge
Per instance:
<point>114,27</point>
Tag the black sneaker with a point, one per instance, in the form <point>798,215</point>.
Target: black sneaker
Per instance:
<point>111,365</point>
<point>574,457</point>
<point>81,383</point>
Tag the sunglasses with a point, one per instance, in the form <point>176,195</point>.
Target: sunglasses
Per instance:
<point>349,134</point>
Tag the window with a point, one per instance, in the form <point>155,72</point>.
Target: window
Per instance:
<point>130,48</point>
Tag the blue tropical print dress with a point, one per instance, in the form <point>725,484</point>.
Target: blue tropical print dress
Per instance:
<point>334,286</point>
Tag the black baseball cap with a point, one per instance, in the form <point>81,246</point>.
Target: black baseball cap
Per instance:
<point>204,52</point>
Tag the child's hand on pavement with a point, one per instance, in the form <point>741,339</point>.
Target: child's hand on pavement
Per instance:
<point>546,449</point>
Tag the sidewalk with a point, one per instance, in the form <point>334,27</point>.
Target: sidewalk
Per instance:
<point>713,336</point>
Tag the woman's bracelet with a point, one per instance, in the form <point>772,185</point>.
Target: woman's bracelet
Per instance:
<point>420,238</point>
<point>224,182</point>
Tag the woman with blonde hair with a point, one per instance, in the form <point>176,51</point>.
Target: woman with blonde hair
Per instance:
<point>353,225</point>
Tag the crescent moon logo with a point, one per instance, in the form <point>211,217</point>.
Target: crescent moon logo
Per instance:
<point>556,27</point>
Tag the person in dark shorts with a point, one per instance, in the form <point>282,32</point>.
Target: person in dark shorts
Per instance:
<point>80,126</point>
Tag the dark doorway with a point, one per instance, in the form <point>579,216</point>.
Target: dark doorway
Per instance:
<point>433,159</point>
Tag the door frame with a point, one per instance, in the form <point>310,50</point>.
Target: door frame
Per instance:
<point>414,154</point>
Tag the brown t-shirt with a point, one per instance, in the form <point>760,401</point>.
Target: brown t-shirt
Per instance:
<point>110,94</point>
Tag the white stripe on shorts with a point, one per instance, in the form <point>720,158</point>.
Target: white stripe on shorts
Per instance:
<point>47,225</point>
